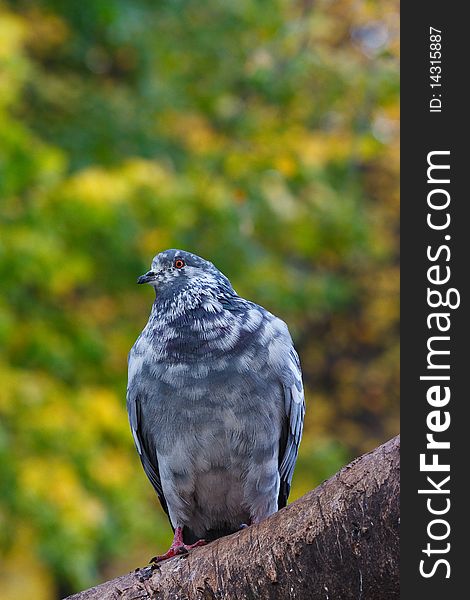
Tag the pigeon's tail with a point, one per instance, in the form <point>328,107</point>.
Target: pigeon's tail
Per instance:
<point>210,535</point>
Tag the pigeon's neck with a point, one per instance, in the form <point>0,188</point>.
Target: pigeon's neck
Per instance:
<point>186,300</point>
<point>186,328</point>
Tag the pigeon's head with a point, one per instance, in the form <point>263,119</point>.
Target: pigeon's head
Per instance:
<point>175,270</point>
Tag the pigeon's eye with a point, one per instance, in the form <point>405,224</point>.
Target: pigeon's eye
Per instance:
<point>179,263</point>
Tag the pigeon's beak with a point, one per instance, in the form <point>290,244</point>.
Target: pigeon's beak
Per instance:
<point>148,277</point>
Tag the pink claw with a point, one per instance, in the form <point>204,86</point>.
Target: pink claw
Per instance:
<point>177,547</point>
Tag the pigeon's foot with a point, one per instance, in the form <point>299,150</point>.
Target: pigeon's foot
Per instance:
<point>176,550</point>
<point>177,547</point>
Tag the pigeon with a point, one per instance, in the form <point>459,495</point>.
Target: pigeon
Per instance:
<point>215,402</point>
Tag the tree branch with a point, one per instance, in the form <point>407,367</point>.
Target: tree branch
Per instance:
<point>339,541</point>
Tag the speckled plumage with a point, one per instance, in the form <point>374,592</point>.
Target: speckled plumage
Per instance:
<point>215,400</point>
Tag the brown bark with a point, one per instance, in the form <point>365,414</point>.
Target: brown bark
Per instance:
<point>339,542</point>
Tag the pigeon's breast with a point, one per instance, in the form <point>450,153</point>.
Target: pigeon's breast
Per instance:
<point>198,337</point>
<point>200,340</point>
<point>208,374</point>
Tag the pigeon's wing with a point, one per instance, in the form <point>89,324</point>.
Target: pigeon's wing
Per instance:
<point>292,426</point>
<point>284,360</point>
<point>148,458</point>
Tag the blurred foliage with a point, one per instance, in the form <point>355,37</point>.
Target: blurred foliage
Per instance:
<point>260,134</point>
